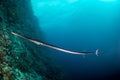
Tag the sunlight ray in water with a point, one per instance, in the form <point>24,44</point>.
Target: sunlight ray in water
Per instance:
<point>108,0</point>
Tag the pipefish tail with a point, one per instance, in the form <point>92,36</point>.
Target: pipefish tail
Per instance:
<point>54,47</point>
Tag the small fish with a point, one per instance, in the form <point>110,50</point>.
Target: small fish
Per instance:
<point>54,47</point>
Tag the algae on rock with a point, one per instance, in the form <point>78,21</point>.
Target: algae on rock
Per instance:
<point>21,59</point>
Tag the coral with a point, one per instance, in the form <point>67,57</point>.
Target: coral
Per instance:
<point>20,59</point>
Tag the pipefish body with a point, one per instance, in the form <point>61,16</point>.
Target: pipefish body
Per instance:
<point>55,47</point>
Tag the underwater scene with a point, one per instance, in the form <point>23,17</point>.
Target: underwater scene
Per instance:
<point>59,39</point>
<point>83,26</point>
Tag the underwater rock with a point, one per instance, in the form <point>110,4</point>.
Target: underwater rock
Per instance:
<point>20,59</point>
<point>1,76</point>
<point>0,19</point>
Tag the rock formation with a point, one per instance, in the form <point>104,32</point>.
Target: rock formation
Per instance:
<point>21,59</point>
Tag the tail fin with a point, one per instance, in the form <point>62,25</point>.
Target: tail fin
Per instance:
<point>97,52</point>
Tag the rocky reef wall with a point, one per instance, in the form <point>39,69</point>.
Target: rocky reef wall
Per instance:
<point>21,59</point>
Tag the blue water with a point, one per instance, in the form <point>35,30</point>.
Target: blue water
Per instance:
<point>83,25</point>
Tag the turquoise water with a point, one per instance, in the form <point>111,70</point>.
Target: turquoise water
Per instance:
<point>83,25</point>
